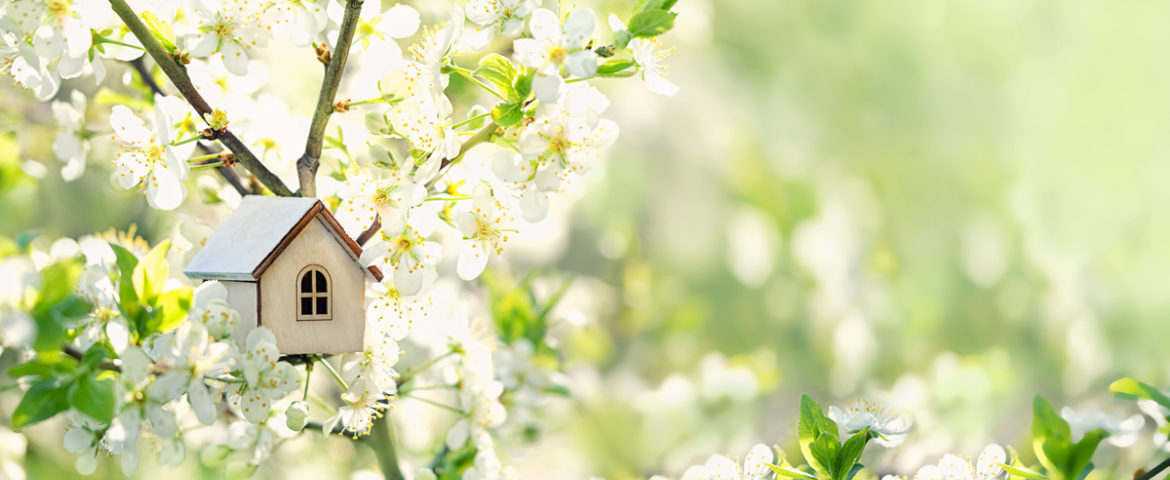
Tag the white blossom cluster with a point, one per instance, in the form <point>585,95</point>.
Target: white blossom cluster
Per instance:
<point>437,178</point>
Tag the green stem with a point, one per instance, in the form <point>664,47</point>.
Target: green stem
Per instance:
<point>382,99</point>
<point>406,391</point>
<point>195,138</point>
<point>198,166</point>
<point>447,199</point>
<point>409,375</point>
<point>331,370</point>
<point>102,39</point>
<point>472,119</point>
<point>465,73</point>
<point>203,157</point>
<point>308,374</point>
<point>439,405</point>
<point>381,441</point>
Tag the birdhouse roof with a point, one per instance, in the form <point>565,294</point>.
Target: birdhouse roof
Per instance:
<point>258,231</point>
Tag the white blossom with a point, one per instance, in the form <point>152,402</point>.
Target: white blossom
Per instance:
<point>485,226</point>
<point>889,428</point>
<point>71,144</point>
<point>266,378</point>
<point>1123,431</point>
<point>952,467</point>
<point>364,403</point>
<point>148,160</point>
<point>301,20</point>
<point>195,358</point>
<point>504,17</point>
<point>228,27</point>
<point>211,309</point>
<point>754,466</point>
<point>649,57</point>
<point>553,47</point>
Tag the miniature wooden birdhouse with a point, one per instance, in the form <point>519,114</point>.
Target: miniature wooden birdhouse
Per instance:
<point>289,266</point>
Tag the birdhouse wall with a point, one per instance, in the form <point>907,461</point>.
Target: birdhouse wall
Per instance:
<point>280,295</point>
<point>243,298</point>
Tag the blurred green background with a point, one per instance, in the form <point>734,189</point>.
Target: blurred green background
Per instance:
<point>948,206</point>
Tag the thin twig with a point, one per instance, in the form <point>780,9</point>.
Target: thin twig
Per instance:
<point>484,134</point>
<point>107,364</point>
<point>308,163</point>
<point>229,176</point>
<point>1154,471</point>
<point>369,232</point>
<point>178,76</point>
<point>148,79</point>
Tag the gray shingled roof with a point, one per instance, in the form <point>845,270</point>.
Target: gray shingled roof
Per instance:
<point>254,231</point>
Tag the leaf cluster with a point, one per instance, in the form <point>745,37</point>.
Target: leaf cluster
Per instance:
<point>820,443</point>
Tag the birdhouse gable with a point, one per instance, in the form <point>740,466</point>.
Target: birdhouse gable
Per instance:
<point>251,238</point>
<point>287,265</point>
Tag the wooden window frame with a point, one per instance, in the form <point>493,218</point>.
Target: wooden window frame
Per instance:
<point>314,294</point>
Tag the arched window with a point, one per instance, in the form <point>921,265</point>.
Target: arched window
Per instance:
<point>316,301</point>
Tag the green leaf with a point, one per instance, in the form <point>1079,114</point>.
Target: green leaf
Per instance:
<point>161,30</point>
<point>58,281</point>
<point>125,261</point>
<point>824,451</point>
<point>621,39</point>
<point>94,356</point>
<point>42,367</point>
<point>852,472</point>
<point>507,114</point>
<point>651,23</point>
<point>1051,437</point>
<point>42,401</point>
<point>170,310</point>
<point>613,67</point>
<point>57,304</point>
<point>780,471</point>
<point>151,273</point>
<point>654,5</point>
<point>1046,423</point>
<point>1129,388</point>
<point>501,73</point>
<point>851,451</point>
<point>813,427</point>
<point>523,85</point>
<point>1080,457</point>
<point>1022,472</point>
<point>94,397</point>
<point>127,296</point>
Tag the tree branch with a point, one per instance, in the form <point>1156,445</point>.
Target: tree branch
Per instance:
<point>382,442</point>
<point>308,163</point>
<point>226,172</point>
<point>178,76</point>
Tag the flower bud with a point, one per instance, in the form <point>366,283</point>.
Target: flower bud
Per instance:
<point>297,415</point>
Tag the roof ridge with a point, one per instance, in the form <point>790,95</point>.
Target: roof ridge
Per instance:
<point>255,266</point>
